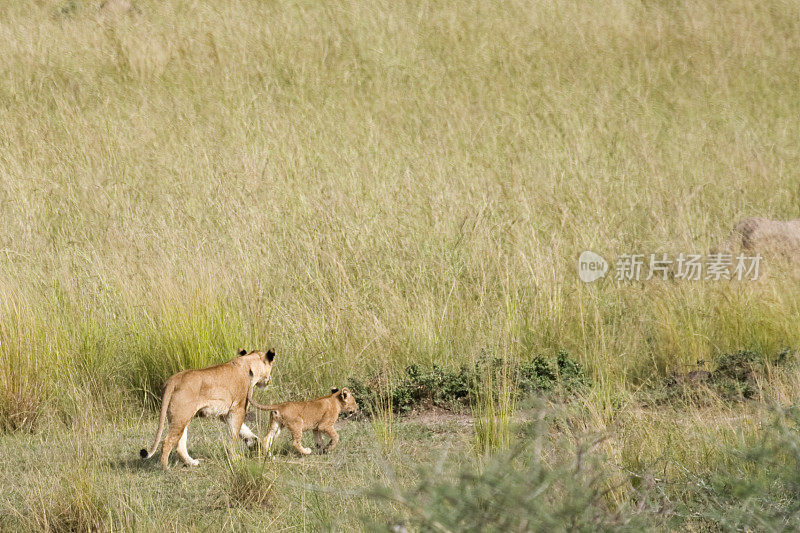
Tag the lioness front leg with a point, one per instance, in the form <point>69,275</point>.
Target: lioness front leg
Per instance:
<point>334,438</point>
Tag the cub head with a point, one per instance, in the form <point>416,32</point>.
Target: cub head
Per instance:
<point>260,364</point>
<point>346,399</point>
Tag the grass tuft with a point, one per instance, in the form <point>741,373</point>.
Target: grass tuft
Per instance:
<point>493,414</point>
<point>250,483</point>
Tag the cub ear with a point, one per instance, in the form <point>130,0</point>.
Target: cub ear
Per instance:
<point>270,355</point>
<point>345,394</point>
<point>242,352</point>
<point>334,390</point>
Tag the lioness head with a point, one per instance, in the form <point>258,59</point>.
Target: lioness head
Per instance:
<point>347,400</point>
<point>260,366</point>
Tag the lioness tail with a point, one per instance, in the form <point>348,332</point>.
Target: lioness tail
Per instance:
<point>161,422</point>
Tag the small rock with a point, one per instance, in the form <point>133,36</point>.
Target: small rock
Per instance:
<point>767,236</point>
<point>115,7</point>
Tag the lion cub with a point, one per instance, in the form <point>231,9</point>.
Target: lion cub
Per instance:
<point>318,415</point>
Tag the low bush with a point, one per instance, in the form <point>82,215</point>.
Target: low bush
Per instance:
<point>453,388</point>
<point>734,378</point>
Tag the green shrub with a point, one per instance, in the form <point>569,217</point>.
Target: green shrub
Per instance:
<point>734,377</point>
<point>453,388</point>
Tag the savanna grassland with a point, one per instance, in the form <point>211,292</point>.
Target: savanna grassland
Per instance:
<point>367,185</point>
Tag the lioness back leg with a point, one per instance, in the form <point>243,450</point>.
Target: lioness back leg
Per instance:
<point>297,437</point>
<point>183,453</point>
<point>235,418</point>
<point>176,430</point>
<point>247,435</point>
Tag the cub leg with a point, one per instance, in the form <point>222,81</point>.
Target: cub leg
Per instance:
<point>297,438</point>
<point>274,431</point>
<point>318,440</point>
<point>183,452</point>
<point>334,438</point>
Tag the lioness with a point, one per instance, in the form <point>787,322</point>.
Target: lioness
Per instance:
<point>222,390</point>
<point>319,415</point>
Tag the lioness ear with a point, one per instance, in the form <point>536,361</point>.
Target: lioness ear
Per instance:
<point>334,390</point>
<point>270,355</point>
<point>242,352</point>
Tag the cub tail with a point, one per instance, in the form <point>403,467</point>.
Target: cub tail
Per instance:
<point>257,405</point>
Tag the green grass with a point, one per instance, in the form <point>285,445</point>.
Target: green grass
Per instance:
<point>370,185</point>
<point>493,411</point>
<point>656,470</point>
<point>96,479</point>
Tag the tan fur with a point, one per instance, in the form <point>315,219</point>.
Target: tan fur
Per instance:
<point>318,415</point>
<point>766,236</point>
<point>222,390</point>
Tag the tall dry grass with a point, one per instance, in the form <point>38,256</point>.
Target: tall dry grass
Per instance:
<point>362,182</point>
